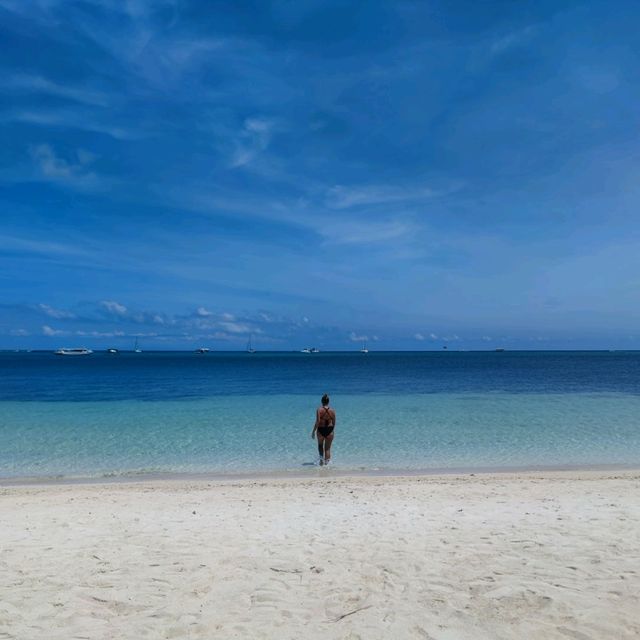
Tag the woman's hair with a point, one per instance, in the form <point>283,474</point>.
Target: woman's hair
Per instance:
<point>325,399</point>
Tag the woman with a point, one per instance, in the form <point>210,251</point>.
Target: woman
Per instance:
<point>325,423</point>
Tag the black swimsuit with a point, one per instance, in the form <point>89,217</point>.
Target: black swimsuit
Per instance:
<point>327,428</point>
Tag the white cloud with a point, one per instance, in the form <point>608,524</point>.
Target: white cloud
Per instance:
<point>49,331</point>
<point>341,197</point>
<point>419,336</point>
<point>238,327</point>
<point>56,169</point>
<point>433,336</point>
<point>38,84</point>
<point>511,40</point>
<point>203,313</point>
<point>253,139</point>
<point>55,313</point>
<point>69,118</point>
<point>100,334</point>
<point>354,337</point>
<point>365,232</point>
<point>114,307</point>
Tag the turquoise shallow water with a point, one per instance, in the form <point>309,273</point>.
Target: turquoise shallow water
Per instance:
<point>229,434</point>
<point>171,412</point>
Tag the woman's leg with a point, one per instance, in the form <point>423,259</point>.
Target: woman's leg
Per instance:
<point>327,447</point>
<point>321,440</point>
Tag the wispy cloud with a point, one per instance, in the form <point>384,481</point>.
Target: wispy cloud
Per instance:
<point>343,197</point>
<point>253,139</point>
<point>43,247</point>
<point>517,38</point>
<point>52,312</point>
<point>50,331</point>
<point>54,168</point>
<point>39,84</point>
<point>71,118</point>
<point>365,232</point>
<point>238,327</point>
<point>114,308</point>
<point>100,334</point>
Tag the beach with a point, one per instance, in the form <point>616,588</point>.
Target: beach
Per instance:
<point>503,555</point>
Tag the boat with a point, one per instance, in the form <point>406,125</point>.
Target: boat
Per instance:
<point>73,352</point>
<point>314,350</point>
<point>250,348</point>
<point>305,350</point>
<point>136,349</point>
<point>112,351</point>
<point>203,350</point>
<point>364,348</point>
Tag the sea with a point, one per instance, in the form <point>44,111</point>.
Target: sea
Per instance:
<point>235,413</point>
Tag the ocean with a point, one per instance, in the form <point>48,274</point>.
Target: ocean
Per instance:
<point>223,413</point>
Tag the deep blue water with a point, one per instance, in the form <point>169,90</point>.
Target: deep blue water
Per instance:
<point>231,412</point>
<point>176,375</point>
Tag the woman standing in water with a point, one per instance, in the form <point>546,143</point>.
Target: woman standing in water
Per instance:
<point>323,428</point>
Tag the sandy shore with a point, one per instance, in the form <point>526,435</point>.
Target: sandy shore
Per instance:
<point>551,555</point>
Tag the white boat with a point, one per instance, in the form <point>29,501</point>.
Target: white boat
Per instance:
<point>73,352</point>
<point>135,347</point>
<point>112,351</point>
<point>310,350</point>
<point>203,350</point>
<point>364,348</point>
<point>250,349</point>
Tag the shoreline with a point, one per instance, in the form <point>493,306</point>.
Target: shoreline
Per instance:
<point>315,473</point>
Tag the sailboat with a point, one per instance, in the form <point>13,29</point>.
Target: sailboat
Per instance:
<point>250,349</point>
<point>135,347</point>
<point>364,348</point>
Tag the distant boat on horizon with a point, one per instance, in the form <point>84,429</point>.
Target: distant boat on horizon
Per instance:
<point>364,348</point>
<point>203,350</point>
<point>112,350</point>
<point>250,348</point>
<point>73,352</point>
<point>136,349</point>
<point>310,350</point>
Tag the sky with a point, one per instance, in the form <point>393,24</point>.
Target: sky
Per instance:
<point>413,174</point>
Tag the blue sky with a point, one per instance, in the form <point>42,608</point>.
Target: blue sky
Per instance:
<point>412,173</point>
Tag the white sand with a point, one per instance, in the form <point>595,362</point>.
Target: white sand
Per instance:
<point>553,555</point>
